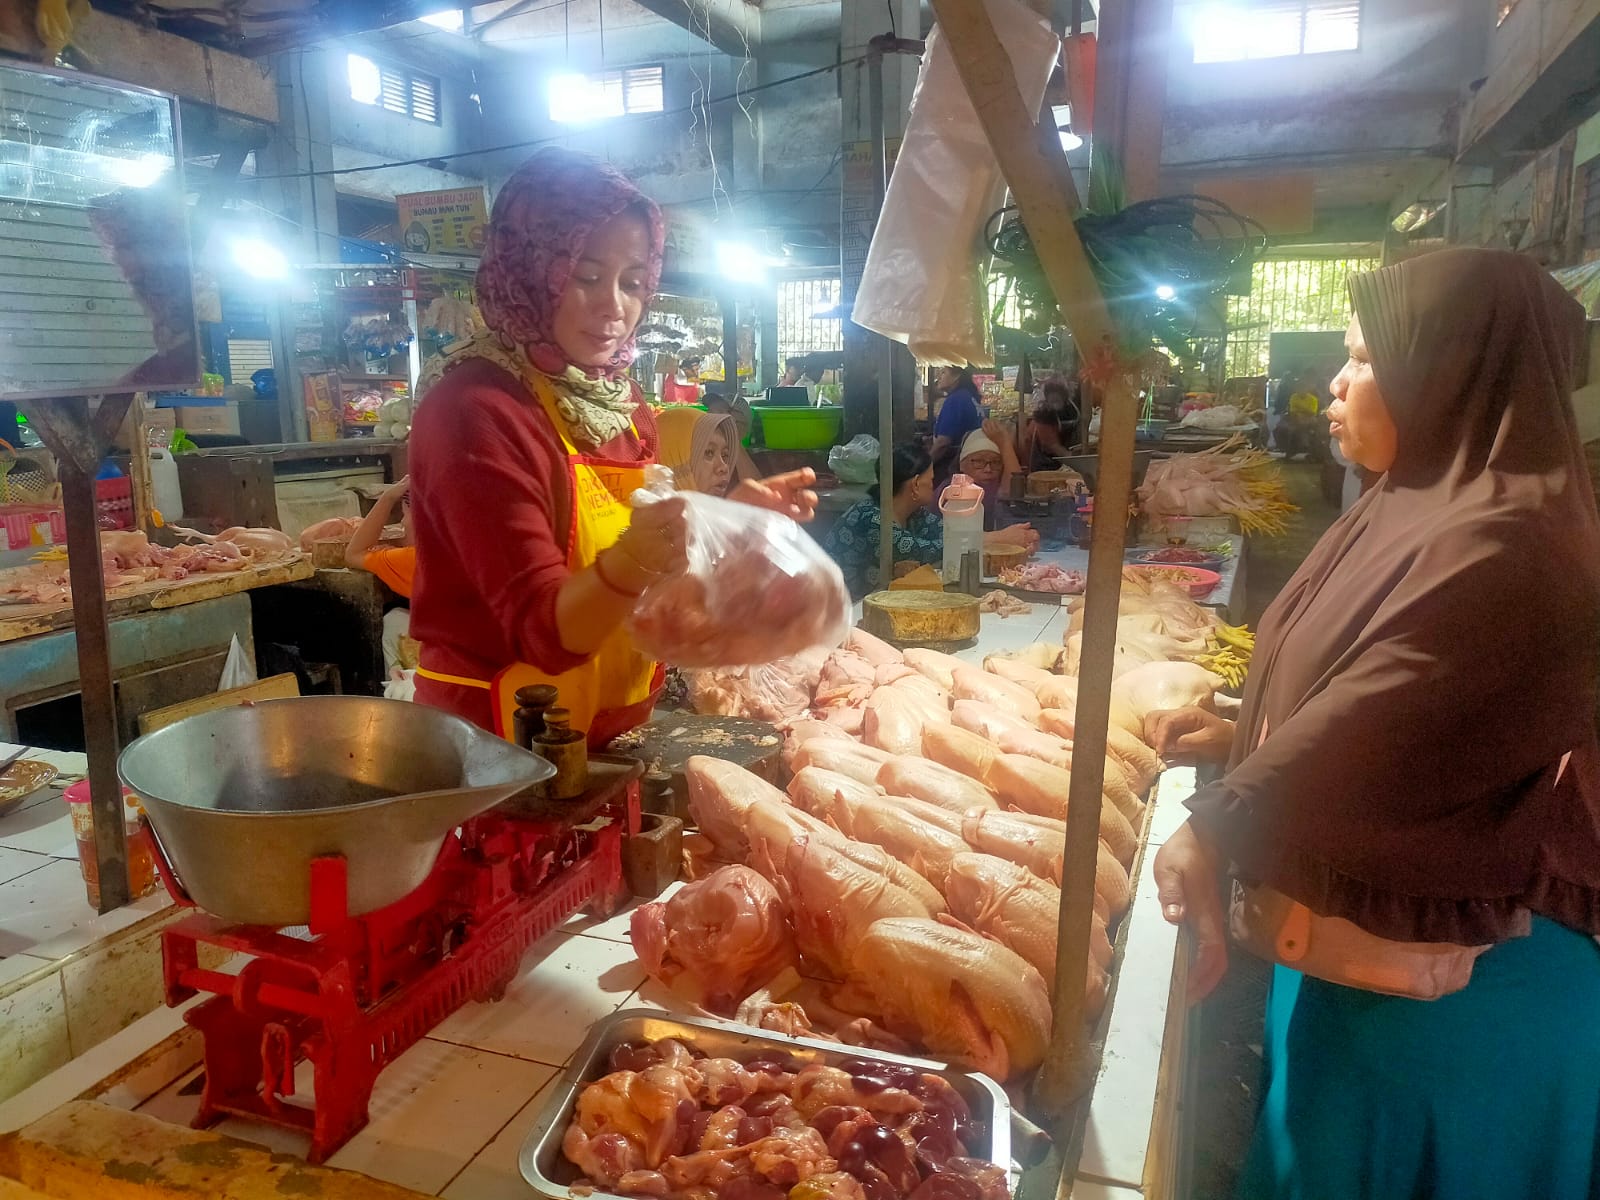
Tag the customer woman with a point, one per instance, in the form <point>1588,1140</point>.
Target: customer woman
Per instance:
<point>700,448</point>
<point>1415,768</point>
<point>854,540</point>
<point>525,453</point>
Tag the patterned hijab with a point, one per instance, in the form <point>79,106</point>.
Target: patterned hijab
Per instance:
<point>1417,748</point>
<point>542,219</point>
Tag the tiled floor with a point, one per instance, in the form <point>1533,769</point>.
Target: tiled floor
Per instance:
<point>486,1070</point>
<point>46,923</point>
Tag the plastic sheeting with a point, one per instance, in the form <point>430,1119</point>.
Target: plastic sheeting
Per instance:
<point>923,284</point>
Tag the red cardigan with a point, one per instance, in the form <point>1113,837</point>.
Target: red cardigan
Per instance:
<point>488,480</point>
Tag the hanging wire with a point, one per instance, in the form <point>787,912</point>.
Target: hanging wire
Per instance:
<point>1163,265</point>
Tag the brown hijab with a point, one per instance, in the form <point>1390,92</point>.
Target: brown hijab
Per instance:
<point>1417,749</point>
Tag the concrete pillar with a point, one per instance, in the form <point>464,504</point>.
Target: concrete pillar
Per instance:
<point>860,22</point>
<point>1471,194</point>
<point>302,144</point>
<point>768,369</point>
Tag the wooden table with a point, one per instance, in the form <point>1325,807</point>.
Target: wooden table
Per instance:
<point>27,620</point>
<point>167,642</point>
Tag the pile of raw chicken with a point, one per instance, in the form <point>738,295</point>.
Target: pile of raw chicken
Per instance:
<point>668,1122</point>
<point>905,892</point>
<point>129,557</point>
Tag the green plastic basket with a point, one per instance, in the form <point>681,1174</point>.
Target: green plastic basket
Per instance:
<point>799,428</point>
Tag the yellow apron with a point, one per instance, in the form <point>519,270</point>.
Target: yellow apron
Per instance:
<point>616,684</point>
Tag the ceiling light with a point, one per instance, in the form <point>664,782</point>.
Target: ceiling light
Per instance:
<point>1166,291</point>
<point>1070,141</point>
<point>138,172</point>
<point>448,20</point>
<point>259,258</point>
<point>740,262</point>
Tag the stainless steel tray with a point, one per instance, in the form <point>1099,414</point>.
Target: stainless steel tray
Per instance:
<point>546,1168</point>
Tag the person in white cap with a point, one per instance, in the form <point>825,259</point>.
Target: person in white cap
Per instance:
<point>989,459</point>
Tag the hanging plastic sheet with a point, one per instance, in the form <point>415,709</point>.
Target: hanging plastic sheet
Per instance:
<point>923,283</point>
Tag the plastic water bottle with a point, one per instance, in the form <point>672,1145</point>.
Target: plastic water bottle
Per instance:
<point>961,506</point>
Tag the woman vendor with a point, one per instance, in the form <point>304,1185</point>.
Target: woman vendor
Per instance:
<point>526,452</point>
<point>918,532</point>
<point>1412,795</point>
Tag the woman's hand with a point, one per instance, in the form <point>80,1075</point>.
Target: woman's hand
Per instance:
<point>1189,733</point>
<point>1023,535</point>
<point>789,493</point>
<point>651,547</point>
<point>1188,874</point>
<point>1005,440</point>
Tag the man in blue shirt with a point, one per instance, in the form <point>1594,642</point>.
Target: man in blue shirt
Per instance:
<point>960,414</point>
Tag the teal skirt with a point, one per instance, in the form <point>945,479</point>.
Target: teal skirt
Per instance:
<point>1491,1093</point>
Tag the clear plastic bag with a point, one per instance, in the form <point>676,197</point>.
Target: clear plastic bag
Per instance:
<point>856,461</point>
<point>923,283</point>
<point>757,587</point>
<point>238,671</point>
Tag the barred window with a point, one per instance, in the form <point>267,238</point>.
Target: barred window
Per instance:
<point>396,89</point>
<point>800,329</point>
<point>1288,295</point>
<point>1241,30</point>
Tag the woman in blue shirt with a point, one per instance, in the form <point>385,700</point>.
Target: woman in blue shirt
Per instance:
<point>960,414</point>
<point>918,533</point>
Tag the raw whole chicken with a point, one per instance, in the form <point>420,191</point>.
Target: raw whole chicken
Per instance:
<point>937,666</point>
<point>1022,911</point>
<point>1139,763</point>
<point>802,731</point>
<point>259,544</point>
<point>720,793</point>
<point>894,721</point>
<point>986,720</point>
<point>874,649</point>
<point>833,900</point>
<point>333,529</point>
<point>1157,687</point>
<point>773,826</point>
<point>1020,673</point>
<point>927,689</point>
<point>816,789</point>
<point>958,993</point>
<point>1041,789</point>
<point>847,758</point>
<point>1046,747</point>
<point>921,845</point>
<point>1007,836</point>
<point>960,749</point>
<point>971,683</point>
<point>717,940</point>
<point>920,779</point>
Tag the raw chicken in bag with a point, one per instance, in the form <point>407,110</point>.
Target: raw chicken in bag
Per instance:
<point>756,587</point>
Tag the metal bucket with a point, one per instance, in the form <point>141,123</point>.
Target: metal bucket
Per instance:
<point>243,798</point>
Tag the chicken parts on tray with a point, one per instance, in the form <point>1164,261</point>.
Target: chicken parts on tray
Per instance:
<point>670,1123</point>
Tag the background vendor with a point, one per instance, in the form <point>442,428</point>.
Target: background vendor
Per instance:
<point>989,459</point>
<point>854,540</point>
<point>526,454</point>
<point>960,413</point>
<point>395,565</point>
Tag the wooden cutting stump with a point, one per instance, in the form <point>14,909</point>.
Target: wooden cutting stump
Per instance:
<point>935,619</point>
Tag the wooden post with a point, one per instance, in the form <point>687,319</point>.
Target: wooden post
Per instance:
<point>78,444</point>
<point>1035,167</point>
